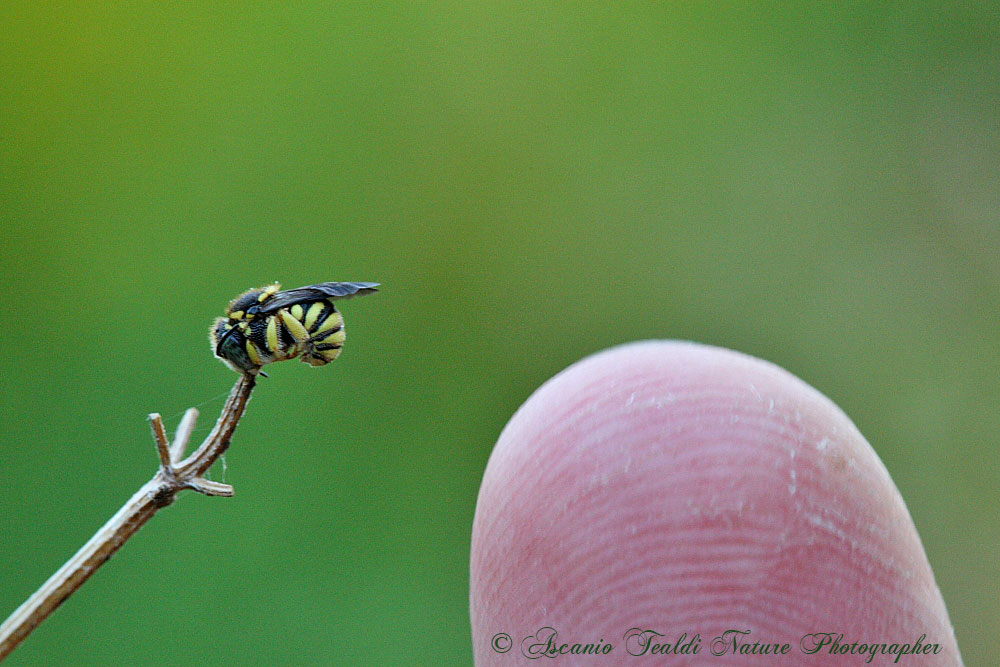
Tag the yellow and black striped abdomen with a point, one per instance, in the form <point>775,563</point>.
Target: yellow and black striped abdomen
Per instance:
<point>325,329</point>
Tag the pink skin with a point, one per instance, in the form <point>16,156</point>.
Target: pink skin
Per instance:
<point>685,488</point>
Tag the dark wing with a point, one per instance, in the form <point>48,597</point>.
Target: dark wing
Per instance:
<point>315,293</point>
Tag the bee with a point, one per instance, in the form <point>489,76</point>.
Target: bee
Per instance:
<point>266,324</point>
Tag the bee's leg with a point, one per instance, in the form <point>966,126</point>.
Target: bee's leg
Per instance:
<point>296,330</point>
<point>294,327</point>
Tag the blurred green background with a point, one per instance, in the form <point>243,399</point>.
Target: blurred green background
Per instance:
<point>817,186</point>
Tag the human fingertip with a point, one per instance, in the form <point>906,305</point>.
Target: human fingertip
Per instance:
<point>682,487</point>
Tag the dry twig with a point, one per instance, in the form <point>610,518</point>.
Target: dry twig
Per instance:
<point>174,476</point>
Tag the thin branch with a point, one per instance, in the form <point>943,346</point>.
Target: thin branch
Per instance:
<point>173,477</point>
<point>184,430</point>
<point>210,488</point>
<point>217,442</point>
<point>160,436</point>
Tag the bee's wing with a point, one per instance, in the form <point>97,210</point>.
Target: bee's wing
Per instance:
<point>316,292</point>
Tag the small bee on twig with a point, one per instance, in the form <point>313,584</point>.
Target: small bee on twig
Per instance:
<point>265,325</point>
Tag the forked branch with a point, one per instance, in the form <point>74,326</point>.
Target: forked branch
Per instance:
<point>173,476</point>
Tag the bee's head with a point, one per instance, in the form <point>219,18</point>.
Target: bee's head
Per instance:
<point>229,345</point>
<point>228,333</point>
